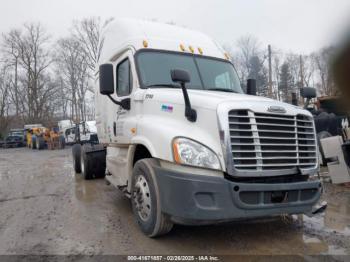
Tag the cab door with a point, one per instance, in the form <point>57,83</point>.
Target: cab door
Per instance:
<point>124,83</point>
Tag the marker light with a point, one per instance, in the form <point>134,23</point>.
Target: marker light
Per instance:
<point>191,49</point>
<point>227,56</point>
<point>145,43</point>
<point>182,47</point>
<point>200,50</point>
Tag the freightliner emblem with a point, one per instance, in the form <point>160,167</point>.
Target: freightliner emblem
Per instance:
<point>276,109</point>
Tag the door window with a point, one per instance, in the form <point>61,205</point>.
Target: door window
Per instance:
<point>124,78</point>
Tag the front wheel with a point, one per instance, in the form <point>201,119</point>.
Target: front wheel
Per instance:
<point>145,200</point>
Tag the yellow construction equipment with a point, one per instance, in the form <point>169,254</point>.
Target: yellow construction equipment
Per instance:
<point>42,137</point>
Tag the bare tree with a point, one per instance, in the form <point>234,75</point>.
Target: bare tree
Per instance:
<point>248,47</point>
<point>322,60</point>
<point>89,33</point>
<point>301,68</point>
<point>4,100</point>
<point>276,69</point>
<point>11,51</point>
<point>27,55</point>
<point>74,71</point>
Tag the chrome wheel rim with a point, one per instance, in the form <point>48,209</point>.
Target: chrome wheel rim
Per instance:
<point>142,198</point>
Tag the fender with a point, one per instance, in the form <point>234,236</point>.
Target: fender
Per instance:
<point>137,140</point>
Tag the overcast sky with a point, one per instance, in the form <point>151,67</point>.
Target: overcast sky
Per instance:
<point>292,25</point>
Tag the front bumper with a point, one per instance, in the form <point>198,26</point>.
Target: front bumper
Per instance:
<point>199,199</point>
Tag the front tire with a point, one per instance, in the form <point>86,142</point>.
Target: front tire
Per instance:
<point>146,201</point>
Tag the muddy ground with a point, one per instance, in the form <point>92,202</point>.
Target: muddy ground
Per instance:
<point>45,208</point>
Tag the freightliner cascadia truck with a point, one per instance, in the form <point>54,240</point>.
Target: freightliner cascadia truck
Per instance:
<point>181,139</point>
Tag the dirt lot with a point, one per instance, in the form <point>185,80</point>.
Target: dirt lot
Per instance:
<point>45,208</point>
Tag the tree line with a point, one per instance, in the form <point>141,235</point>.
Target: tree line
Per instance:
<point>285,73</point>
<point>43,79</point>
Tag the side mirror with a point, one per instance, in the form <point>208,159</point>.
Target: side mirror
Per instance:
<point>251,87</point>
<point>106,79</point>
<point>180,76</point>
<point>308,92</point>
<point>107,85</point>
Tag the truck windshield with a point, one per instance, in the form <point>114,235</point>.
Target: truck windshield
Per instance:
<point>206,73</point>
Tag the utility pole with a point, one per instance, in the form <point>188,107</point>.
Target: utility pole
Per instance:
<point>270,72</point>
<point>301,74</point>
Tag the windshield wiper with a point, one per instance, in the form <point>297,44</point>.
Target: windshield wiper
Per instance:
<point>221,89</point>
<point>163,85</point>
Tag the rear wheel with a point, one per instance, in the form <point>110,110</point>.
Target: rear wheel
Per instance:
<point>76,153</point>
<point>93,161</point>
<point>86,169</point>
<point>145,200</point>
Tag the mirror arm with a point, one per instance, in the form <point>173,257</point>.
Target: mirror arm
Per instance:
<point>124,103</point>
<point>190,113</point>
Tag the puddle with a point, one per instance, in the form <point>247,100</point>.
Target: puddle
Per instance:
<point>85,190</point>
<point>331,227</point>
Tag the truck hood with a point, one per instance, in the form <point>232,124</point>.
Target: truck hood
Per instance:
<point>208,99</point>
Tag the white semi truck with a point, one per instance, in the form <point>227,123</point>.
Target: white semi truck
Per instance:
<point>180,138</point>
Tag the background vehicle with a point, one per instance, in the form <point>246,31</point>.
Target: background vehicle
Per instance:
<point>12,141</point>
<point>181,139</point>
<point>15,138</point>
<point>84,132</point>
<point>17,132</point>
<point>63,125</point>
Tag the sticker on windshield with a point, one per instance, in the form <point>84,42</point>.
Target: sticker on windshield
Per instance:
<point>166,108</point>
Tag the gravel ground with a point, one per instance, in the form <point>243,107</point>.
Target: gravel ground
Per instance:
<point>45,208</point>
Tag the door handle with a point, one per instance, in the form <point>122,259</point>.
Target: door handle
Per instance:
<point>115,128</point>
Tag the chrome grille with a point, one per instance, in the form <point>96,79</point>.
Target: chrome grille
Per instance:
<point>264,141</point>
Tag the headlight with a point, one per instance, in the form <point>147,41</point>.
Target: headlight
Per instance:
<point>189,152</point>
